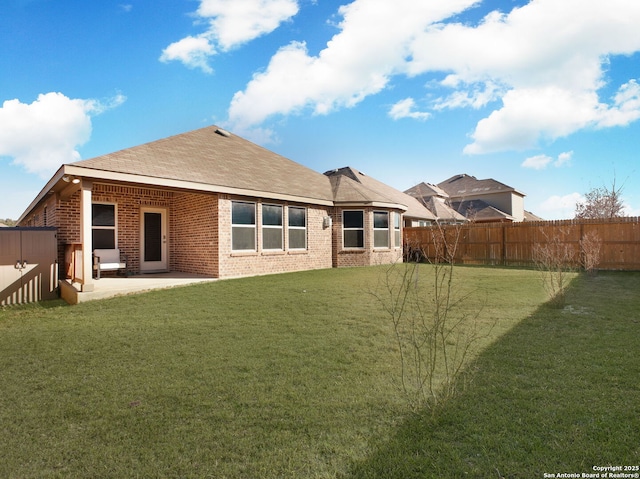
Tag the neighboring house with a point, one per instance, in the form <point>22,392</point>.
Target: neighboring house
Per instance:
<point>437,201</point>
<point>211,203</point>
<point>2,225</point>
<point>529,216</point>
<point>484,200</point>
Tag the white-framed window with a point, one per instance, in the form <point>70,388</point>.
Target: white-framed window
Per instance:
<point>353,228</point>
<point>272,227</point>
<point>103,225</point>
<point>397,237</point>
<point>297,227</point>
<point>243,226</point>
<point>380,229</point>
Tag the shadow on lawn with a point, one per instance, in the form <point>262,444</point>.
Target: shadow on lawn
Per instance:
<point>556,394</point>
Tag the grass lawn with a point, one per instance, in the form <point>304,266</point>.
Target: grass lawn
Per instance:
<point>291,376</point>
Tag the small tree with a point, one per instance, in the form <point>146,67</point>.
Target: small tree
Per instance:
<point>601,203</point>
<point>433,331</point>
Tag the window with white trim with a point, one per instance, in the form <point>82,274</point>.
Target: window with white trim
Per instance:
<point>103,225</point>
<point>397,237</point>
<point>243,226</point>
<point>272,227</point>
<point>297,227</point>
<point>353,228</point>
<point>380,229</point>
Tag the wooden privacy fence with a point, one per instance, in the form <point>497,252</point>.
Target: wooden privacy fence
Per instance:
<point>512,244</point>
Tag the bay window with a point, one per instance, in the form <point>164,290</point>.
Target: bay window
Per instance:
<point>353,228</point>
<point>380,229</point>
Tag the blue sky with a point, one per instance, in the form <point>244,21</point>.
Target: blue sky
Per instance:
<point>541,95</point>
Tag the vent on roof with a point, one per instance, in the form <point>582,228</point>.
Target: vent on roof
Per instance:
<point>222,132</point>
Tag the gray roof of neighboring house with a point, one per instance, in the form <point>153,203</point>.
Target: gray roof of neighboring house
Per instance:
<point>529,216</point>
<point>433,197</point>
<point>461,186</point>
<point>478,210</point>
<point>441,210</point>
<point>423,190</point>
<point>212,156</point>
<point>351,185</point>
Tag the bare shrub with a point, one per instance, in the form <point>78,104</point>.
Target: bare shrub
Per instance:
<point>590,246</point>
<point>433,331</point>
<point>555,258</point>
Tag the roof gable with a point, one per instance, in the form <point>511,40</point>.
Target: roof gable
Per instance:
<point>478,210</point>
<point>442,210</point>
<point>211,156</point>
<point>352,185</point>
<point>423,190</point>
<point>460,186</point>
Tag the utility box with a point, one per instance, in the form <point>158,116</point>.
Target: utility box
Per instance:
<point>28,265</point>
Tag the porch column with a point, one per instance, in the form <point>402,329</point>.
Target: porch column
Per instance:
<point>85,235</point>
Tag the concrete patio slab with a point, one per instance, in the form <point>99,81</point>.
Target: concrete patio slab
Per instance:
<point>117,286</point>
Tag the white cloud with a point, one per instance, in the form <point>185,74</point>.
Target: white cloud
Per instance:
<point>46,133</point>
<point>564,158</point>
<point>230,23</point>
<point>550,73</point>
<point>556,207</point>
<point>625,109</point>
<point>406,109</point>
<point>544,61</point>
<point>476,96</point>
<point>234,22</point>
<point>359,61</point>
<point>540,162</point>
<point>194,52</point>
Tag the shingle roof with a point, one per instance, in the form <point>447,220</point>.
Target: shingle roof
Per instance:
<point>529,216</point>
<point>423,190</point>
<point>441,210</point>
<point>210,157</point>
<point>460,186</point>
<point>478,210</point>
<point>351,185</point>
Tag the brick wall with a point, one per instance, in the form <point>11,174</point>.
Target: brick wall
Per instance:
<point>367,256</point>
<point>64,214</point>
<point>194,234</point>
<point>129,200</point>
<point>199,231</point>
<point>316,256</point>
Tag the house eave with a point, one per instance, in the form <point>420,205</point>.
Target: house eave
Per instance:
<point>98,175</point>
<point>369,204</point>
<point>57,177</point>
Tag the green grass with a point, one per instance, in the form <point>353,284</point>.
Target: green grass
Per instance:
<point>559,393</point>
<point>290,376</point>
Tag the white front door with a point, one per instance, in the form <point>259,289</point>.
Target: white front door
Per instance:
<point>153,241</point>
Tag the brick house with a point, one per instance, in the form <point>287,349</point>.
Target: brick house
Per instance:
<point>211,203</point>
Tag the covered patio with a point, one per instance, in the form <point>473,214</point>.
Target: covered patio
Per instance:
<point>109,287</point>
